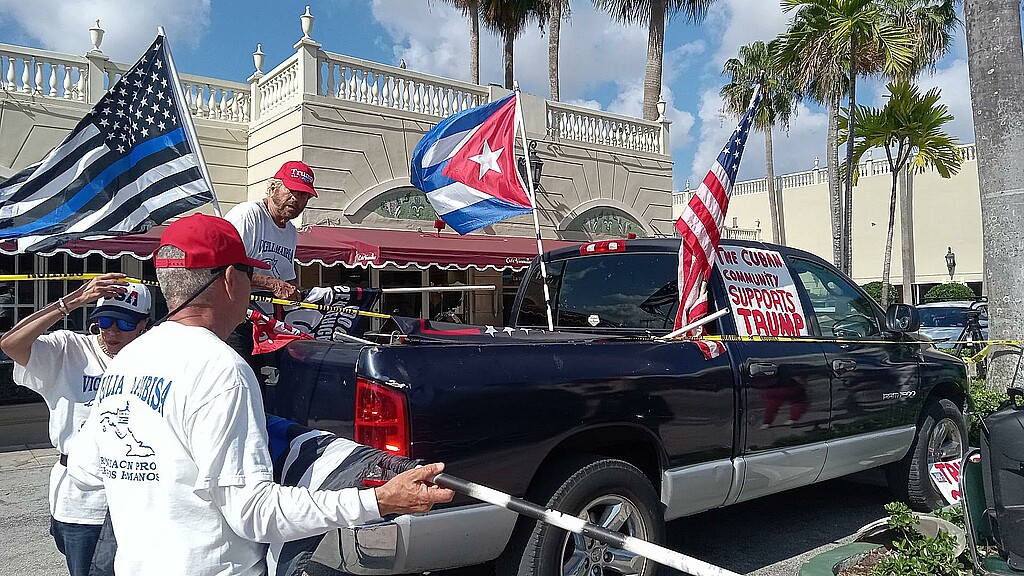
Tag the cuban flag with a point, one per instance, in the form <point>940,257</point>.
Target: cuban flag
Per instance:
<point>466,166</point>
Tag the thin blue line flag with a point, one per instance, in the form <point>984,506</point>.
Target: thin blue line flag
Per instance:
<point>130,164</point>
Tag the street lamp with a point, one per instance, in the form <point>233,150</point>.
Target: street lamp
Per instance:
<point>950,262</point>
<point>536,165</point>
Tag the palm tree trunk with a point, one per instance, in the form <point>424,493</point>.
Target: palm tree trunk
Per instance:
<point>774,205</point>
<point>996,65</point>
<point>554,29</point>
<point>907,232</point>
<point>655,53</point>
<point>509,66</point>
<point>887,261</point>
<point>848,185</point>
<point>474,41</point>
<point>834,192</point>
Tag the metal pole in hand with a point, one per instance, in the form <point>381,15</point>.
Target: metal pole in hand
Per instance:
<point>579,526</point>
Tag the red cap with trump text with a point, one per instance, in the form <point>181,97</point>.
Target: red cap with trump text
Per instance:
<point>297,176</point>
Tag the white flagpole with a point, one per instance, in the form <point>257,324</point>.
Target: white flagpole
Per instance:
<point>533,202</point>
<point>190,128</point>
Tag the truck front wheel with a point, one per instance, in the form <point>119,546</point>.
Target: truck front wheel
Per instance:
<point>941,437</point>
<point>610,493</point>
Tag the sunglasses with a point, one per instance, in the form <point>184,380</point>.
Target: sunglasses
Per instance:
<point>105,322</point>
<point>245,268</point>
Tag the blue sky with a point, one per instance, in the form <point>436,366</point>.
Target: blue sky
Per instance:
<point>602,62</point>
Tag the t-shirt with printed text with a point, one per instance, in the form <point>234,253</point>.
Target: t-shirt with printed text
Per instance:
<point>264,239</point>
<point>65,368</point>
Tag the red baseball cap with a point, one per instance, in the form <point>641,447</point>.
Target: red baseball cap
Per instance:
<point>296,176</point>
<point>207,241</point>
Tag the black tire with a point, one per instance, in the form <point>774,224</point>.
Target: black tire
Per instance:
<point>941,436</point>
<point>594,489</point>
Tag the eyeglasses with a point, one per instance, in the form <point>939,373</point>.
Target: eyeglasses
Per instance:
<point>106,322</point>
<point>248,270</point>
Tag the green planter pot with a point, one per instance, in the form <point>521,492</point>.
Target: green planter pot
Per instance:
<point>830,562</point>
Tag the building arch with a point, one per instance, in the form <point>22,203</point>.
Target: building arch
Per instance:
<point>604,217</point>
<point>396,198</point>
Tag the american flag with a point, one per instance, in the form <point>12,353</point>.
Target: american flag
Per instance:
<point>130,164</point>
<point>701,229</point>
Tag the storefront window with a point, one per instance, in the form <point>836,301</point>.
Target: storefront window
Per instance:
<point>449,306</point>
<point>409,305</point>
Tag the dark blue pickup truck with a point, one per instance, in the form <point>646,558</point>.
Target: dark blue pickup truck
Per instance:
<point>607,421</point>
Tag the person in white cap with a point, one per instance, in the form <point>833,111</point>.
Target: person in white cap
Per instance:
<point>65,367</point>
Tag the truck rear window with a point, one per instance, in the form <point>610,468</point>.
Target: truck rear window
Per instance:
<point>636,291</point>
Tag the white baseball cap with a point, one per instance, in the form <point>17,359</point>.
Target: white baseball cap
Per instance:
<point>132,305</point>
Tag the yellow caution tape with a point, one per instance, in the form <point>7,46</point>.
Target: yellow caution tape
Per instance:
<point>980,356</point>
<point>255,298</point>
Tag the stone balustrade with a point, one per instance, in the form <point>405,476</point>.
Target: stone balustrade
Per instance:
<point>43,73</point>
<point>373,84</point>
<point>40,73</point>
<point>590,126</point>
<point>867,168</point>
<point>279,87</point>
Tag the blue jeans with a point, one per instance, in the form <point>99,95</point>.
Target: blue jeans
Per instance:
<point>88,549</point>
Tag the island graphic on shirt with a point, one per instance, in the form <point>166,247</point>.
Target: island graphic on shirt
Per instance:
<point>117,421</point>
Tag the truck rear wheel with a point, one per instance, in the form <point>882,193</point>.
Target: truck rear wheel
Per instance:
<point>941,437</point>
<point>610,493</point>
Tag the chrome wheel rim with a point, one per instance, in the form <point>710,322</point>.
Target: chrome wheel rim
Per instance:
<point>945,444</point>
<point>587,557</point>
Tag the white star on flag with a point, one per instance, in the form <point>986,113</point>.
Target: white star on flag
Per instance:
<point>488,159</point>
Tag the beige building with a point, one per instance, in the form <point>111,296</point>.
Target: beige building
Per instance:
<point>944,214</point>
<point>356,123</point>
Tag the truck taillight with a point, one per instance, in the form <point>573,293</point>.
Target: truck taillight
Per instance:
<point>603,246</point>
<point>382,418</point>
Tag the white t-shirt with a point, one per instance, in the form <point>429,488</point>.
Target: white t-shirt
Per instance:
<point>264,239</point>
<point>178,438</point>
<point>65,368</point>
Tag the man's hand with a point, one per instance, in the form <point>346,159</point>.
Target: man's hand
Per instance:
<point>279,288</point>
<point>412,491</point>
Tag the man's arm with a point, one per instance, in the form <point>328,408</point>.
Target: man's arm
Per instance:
<point>268,512</point>
<point>280,288</point>
<point>17,342</point>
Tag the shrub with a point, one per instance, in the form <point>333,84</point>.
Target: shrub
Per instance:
<point>914,554</point>
<point>949,291</point>
<point>983,403</point>
<point>874,289</point>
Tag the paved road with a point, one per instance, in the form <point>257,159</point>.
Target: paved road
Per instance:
<point>768,537</point>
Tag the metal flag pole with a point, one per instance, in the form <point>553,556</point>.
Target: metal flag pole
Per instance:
<point>696,323</point>
<point>533,201</point>
<point>190,129</point>
<point>648,550</point>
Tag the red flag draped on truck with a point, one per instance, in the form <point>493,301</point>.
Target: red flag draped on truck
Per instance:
<point>701,228</point>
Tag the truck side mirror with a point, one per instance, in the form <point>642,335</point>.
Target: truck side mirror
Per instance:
<point>902,318</point>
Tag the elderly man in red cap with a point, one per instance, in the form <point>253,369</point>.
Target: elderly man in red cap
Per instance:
<point>269,235</point>
<point>177,435</point>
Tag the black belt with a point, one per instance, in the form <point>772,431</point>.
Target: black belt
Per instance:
<point>64,460</point>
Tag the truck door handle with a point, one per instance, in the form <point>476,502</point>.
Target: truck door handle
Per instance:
<point>840,366</point>
<point>762,369</point>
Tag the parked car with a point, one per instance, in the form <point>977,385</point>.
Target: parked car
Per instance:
<point>947,322</point>
<point>605,421</point>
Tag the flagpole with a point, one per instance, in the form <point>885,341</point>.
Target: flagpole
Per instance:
<point>533,202</point>
<point>190,131</point>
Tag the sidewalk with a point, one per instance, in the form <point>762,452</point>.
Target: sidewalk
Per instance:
<point>25,513</point>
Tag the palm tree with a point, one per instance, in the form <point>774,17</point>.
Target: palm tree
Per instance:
<point>471,9</point>
<point>996,65</point>
<point>652,13</point>
<point>756,63</point>
<point>508,18</point>
<point>556,10</point>
<point>897,38</point>
<point>910,128</point>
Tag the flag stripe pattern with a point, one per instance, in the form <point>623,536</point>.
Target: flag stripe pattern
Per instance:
<point>700,227</point>
<point>128,165</point>
<point>466,167</point>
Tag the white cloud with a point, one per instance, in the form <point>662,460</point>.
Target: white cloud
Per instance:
<point>598,57</point>
<point>130,25</point>
<point>743,22</point>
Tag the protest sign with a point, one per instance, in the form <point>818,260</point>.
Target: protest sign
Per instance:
<point>761,292</point>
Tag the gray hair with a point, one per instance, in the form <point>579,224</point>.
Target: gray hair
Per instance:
<point>178,284</point>
<point>274,183</point>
